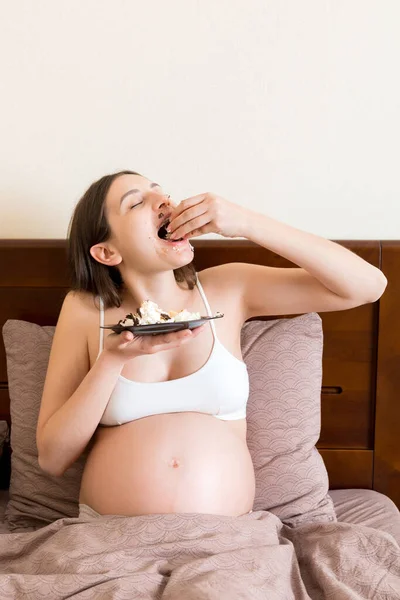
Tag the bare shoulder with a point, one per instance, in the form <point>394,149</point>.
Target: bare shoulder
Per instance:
<point>220,276</point>
<point>81,300</point>
<point>80,305</point>
<point>81,310</point>
<point>220,285</point>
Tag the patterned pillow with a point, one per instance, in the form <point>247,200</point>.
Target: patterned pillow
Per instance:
<point>284,361</point>
<point>35,498</point>
<point>284,358</point>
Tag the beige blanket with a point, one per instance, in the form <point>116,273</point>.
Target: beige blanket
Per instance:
<point>196,557</point>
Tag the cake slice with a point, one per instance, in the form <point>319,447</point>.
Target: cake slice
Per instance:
<point>149,313</point>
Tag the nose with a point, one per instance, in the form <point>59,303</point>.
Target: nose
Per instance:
<point>163,205</point>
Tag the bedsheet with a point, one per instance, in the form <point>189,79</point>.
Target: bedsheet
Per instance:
<point>358,506</point>
<point>369,508</point>
<point>190,556</point>
<point>200,556</point>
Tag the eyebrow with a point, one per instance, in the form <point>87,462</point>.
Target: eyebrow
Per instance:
<point>135,191</point>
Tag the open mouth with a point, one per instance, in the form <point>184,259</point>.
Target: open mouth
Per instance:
<point>164,234</point>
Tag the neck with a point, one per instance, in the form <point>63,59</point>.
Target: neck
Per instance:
<point>161,288</point>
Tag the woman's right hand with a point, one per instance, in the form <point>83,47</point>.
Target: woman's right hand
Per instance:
<point>126,345</point>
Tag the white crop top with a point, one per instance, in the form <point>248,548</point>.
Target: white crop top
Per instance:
<point>219,388</point>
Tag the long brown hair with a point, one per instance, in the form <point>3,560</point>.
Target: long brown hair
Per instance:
<point>89,226</point>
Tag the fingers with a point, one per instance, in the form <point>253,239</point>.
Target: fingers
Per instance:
<point>127,341</point>
<point>127,336</point>
<point>171,338</point>
<point>175,339</point>
<point>191,207</point>
<point>187,203</point>
<point>188,228</point>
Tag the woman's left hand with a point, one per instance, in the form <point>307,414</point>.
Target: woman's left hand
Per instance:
<point>207,213</point>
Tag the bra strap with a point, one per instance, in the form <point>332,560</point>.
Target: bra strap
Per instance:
<point>209,313</point>
<point>101,337</point>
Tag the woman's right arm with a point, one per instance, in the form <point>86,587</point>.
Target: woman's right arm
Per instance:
<point>65,435</point>
<point>74,396</point>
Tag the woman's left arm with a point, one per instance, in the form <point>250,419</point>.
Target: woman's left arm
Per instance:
<point>336,267</point>
<point>330,276</point>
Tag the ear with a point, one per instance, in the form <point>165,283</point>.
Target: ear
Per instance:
<point>105,254</point>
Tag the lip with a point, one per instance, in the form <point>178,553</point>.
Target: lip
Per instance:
<point>173,243</point>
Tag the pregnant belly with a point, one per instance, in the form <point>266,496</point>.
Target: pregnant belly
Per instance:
<point>182,462</point>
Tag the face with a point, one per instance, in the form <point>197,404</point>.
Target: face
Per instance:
<point>136,208</point>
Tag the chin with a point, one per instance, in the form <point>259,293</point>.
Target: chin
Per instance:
<point>178,251</point>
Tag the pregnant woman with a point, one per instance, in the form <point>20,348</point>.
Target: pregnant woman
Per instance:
<point>163,417</point>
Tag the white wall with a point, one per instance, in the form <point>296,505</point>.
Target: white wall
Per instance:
<point>288,107</point>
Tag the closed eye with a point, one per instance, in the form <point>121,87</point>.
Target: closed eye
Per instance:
<point>141,202</point>
<point>136,204</point>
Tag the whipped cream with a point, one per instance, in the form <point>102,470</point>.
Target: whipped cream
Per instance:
<point>185,315</point>
<point>150,313</point>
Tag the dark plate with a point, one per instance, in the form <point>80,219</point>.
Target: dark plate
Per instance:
<point>161,327</point>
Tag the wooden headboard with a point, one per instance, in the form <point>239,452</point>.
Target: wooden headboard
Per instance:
<point>361,362</point>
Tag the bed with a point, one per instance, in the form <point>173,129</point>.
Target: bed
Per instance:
<point>360,411</point>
